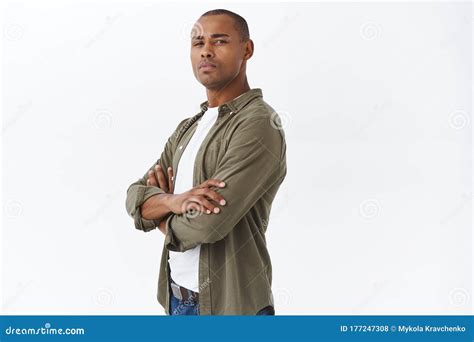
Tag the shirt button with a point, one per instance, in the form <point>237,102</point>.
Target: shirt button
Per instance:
<point>181,147</point>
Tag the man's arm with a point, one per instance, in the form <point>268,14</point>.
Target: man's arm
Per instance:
<point>254,161</point>
<point>138,192</point>
<point>157,206</point>
<point>150,200</point>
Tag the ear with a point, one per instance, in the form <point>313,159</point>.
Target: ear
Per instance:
<point>249,48</point>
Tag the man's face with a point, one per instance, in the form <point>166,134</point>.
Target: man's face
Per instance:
<point>217,54</point>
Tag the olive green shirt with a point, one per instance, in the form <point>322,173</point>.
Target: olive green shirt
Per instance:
<point>246,149</point>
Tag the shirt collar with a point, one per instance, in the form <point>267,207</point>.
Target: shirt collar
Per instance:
<point>236,104</point>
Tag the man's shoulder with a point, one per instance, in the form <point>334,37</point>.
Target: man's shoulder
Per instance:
<point>257,109</point>
<point>258,118</point>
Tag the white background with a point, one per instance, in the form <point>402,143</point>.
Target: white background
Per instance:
<point>374,216</point>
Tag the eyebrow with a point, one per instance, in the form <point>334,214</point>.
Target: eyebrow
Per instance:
<point>214,35</point>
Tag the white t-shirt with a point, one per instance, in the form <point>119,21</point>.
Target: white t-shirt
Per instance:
<point>184,266</point>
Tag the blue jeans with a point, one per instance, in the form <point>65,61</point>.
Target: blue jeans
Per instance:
<point>190,307</point>
<point>267,311</point>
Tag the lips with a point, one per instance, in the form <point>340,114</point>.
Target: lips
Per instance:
<point>206,66</point>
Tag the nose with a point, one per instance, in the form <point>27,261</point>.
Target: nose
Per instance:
<point>206,51</point>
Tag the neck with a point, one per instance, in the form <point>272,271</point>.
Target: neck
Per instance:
<point>216,97</point>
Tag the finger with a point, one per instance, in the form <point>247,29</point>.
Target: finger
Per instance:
<point>213,182</point>
<point>212,195</point>
<point>171,179</point>
<point>162,183</point>
<point>151,181</point>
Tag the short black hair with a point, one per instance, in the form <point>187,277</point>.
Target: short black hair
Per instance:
<point>239,22</point>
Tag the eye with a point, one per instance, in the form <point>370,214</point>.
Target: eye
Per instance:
<point>220,41</point>
<point>197,44</point>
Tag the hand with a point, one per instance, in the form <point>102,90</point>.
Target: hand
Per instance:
<point>200,198</point>
<point>158,178</point>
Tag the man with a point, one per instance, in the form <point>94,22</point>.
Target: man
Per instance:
<point>212,188</point>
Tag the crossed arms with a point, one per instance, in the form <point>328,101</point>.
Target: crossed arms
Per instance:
<point>254,161</point>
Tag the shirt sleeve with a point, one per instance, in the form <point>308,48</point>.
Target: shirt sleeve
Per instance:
<point>138,192</point>
<point>254,161</point>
